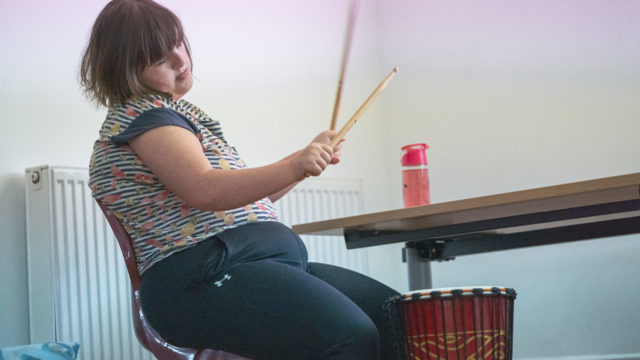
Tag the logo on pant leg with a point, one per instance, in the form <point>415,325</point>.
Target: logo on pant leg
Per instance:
<point>219,282</point>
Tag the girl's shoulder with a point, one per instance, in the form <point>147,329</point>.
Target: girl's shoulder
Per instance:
<point>192,109</point>
<point>120,116</point>
<point>200,117</point>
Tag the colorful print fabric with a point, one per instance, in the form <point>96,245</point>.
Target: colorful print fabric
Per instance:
<point>159,222</point>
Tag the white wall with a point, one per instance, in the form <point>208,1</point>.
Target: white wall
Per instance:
<point>509,95</point>
<point>518,94</point>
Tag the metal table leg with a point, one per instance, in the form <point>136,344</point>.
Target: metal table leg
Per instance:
<point>419,269</point>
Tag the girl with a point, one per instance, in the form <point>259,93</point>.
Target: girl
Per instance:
<point>218,270</point>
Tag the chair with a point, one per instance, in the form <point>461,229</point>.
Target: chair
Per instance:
<point>147,336</point>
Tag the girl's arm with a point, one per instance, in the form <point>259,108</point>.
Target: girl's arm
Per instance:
<point>175,156</point>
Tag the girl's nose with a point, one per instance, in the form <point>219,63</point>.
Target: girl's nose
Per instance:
<point>179,58</point>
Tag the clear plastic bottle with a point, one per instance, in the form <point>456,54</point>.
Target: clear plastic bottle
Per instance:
<point>415,175</point>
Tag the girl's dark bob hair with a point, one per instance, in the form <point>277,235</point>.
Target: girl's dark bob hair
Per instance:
<point>128,35</point>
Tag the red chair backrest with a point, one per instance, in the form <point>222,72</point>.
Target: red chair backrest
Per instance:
<point>126,245</point>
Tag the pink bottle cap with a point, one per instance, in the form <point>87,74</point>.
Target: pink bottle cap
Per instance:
<point>414,154</point>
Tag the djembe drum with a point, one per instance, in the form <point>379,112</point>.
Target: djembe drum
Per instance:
<point>474,323</point>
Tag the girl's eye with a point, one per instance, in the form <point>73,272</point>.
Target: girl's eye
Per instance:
<point>159,62</point>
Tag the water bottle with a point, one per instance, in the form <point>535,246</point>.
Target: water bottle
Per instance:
<point>415,175</point>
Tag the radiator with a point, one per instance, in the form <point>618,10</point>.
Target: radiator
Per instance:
<point>78,285</point>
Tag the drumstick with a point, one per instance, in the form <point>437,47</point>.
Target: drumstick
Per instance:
<point>340,135</point>
<point>362,108</point>
<point>343,66</point>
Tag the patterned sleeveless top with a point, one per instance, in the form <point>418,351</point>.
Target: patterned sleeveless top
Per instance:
<point>159,222</point>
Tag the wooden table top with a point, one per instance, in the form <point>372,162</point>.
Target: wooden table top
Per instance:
<point>609,192</point>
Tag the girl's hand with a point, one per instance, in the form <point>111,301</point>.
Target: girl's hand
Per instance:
<point>313,159</point>
<point>325,137</point>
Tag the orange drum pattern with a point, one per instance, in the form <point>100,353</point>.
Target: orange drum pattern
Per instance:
<point>461,324</point>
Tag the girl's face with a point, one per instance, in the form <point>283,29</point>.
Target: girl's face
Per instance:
<point>170,75</point>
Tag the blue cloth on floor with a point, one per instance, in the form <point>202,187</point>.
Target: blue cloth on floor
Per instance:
<point>46,351</point>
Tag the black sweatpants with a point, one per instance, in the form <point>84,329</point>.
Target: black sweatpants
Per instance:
<point>251,291</point>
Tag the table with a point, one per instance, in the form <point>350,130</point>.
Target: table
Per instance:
<point>548,215</point>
